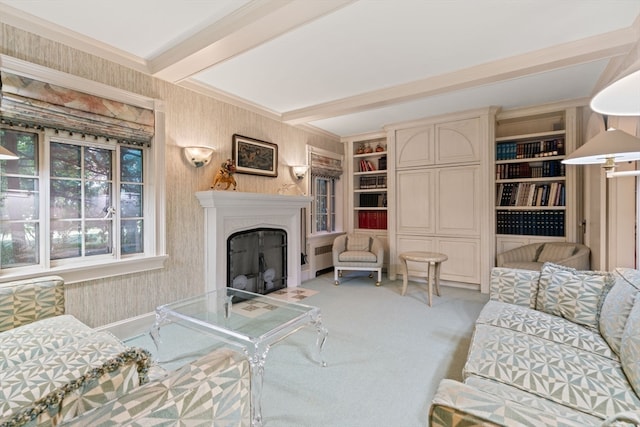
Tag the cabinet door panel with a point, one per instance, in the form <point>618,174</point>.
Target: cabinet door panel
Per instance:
<point>458,203</point>
<point>458,141</point>
<point>463,264</point>
<point>414,147</point>
<point>415,209</point>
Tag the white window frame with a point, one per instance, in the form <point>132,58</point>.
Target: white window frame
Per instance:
<point>338,196</point>
<point>155,254</point>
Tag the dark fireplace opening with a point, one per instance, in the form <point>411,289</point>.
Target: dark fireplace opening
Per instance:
<point>257,260</point>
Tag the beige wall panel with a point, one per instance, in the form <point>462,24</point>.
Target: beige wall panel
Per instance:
<point>415,212</point>
<point>458,206</point>
<point>458,141</point>
<point>463,264</point>
<point>414,147</point>
<point>191,119</point>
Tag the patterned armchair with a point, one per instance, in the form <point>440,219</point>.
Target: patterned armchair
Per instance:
<point>358,252</point>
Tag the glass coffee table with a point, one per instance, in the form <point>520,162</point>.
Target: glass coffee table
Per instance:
<point>252,321</point>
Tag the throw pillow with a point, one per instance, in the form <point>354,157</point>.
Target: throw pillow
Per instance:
<point>617,306</point>
<point>358,242</point>
<point>572,294</point>
<point>630,349</point>
<point>553,253</point>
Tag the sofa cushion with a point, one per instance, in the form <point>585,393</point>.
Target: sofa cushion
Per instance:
<point>358,242</point>
<point>617,306</point>
<point>357,256</point>
<point>572,294</point>
<point>544,325</point>
<point>555,252</point>
<point>630,347</point>
<point>32,340</point>
<point>564,374</point>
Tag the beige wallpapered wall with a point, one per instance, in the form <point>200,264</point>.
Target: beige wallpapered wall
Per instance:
<point>191,119</point>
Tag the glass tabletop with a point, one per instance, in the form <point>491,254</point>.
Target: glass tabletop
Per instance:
<point>244,315</point>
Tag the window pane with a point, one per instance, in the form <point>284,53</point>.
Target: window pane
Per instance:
<point>130,201</point>
<point>19,244</point>
<point>130,164</point>
<point>97,163</point>
<point>65,239</point>
<point>97,199</point>
<point>65,160</point>
<point>98,237</point>
<point>66,199</point>
<point>131,237</point>
<point>23,144</point>
<point>19,199</point>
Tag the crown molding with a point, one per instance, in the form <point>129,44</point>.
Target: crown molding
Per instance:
<point>32,24</point>
<point>228,98</point>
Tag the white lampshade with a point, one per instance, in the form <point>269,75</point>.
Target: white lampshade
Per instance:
<point>620,98</point>
<point>609,147</point>
<point>6,154</point>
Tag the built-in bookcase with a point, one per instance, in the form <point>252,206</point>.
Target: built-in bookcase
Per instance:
<point>535,196</point>
<point>370,184</point>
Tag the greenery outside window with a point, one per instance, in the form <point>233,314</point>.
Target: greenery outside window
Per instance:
<point>92,188</point>
<point>324,202</point>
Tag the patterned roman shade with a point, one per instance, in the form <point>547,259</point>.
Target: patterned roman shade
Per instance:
<point>29,102</point>
<point>324,166</point>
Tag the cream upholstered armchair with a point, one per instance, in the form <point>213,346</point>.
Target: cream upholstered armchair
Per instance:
<point>534,255</point>
<point>358,252</point>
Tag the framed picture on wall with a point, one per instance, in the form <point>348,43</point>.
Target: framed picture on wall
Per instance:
<point>255,157</point>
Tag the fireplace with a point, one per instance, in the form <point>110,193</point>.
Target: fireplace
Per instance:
<point>257,260</point>
<point>229,212</point>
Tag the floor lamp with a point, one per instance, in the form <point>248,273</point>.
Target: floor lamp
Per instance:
<point>607,148</point>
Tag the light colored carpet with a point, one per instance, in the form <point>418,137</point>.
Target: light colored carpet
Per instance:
<point>386,355</point>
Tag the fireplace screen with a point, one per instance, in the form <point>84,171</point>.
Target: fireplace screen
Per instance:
<point>257,260</point>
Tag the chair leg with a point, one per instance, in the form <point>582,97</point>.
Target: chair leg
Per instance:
<point>336,273</point>
<point>379,282</point>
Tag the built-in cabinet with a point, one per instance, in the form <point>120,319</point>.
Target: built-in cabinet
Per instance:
<point>536,195</point>
<point>442,184</point>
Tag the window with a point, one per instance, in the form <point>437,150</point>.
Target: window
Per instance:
<point>69,200</point>
<point>324,202</point>
<point>326,189</point>
<point>85,199</point>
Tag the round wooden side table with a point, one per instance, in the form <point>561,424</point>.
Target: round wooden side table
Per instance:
<point>431,259</point>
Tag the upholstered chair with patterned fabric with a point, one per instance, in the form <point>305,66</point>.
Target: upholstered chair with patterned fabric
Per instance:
<point>534,255</point>
<point>357,252</point>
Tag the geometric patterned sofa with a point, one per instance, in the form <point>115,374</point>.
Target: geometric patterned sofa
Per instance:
<point>556,347</point>
<point>55,370</point>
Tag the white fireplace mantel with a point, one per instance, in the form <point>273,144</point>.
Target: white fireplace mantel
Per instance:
<point>227,212</point>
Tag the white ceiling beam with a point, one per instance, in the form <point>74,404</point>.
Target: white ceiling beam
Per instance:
<point>573,53</point>
<point>250,26</point>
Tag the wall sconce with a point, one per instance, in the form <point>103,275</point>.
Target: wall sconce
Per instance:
<point>198,156</point>
<point>299,171</point>
<point>7,155</point>
<point>608,148</point>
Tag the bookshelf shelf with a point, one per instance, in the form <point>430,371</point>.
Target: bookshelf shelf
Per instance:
<point>369,183</point>
<point>534,195</point>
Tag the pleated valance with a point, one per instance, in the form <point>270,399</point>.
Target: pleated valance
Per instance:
<point>29,102</point>
<point>324,166</point>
